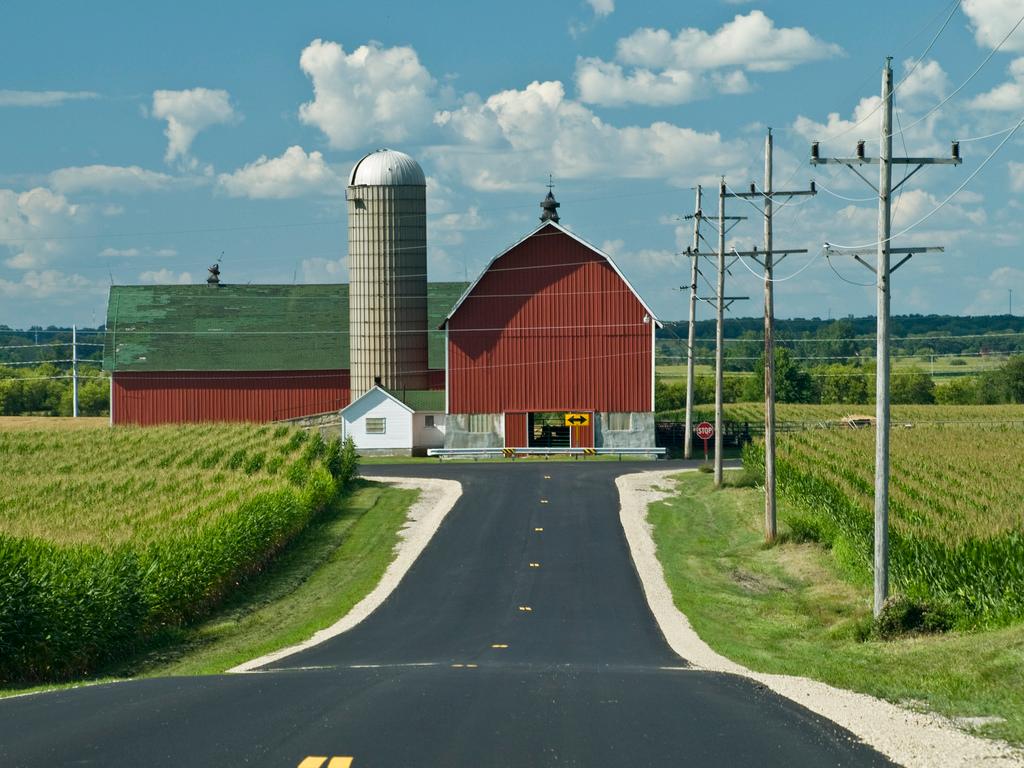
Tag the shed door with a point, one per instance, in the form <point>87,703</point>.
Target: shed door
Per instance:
<point>515,430</point>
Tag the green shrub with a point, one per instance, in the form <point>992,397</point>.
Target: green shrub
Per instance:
<point>902,616</point>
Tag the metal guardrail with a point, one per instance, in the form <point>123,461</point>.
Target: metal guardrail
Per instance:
<point>513,453</point>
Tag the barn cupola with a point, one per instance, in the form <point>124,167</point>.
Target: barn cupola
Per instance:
<point>549,205</point>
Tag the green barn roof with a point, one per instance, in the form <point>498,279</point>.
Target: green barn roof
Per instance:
<point>243,327</point>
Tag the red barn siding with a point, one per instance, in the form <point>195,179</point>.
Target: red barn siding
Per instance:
<point>550,327</point>
<point>197,396</point>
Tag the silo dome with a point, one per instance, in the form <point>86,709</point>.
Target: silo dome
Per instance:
<point>387,168</point>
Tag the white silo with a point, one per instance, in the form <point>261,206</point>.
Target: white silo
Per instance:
<point>387,252</point>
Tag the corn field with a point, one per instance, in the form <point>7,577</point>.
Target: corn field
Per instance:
<point>108,537</point>
<point>812,413</point>
<point>956,515</point>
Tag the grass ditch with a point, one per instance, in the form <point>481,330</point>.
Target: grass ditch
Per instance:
<point>791,609</point>
<point>332,565</point>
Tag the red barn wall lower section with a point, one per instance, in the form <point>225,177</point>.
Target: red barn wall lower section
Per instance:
<point>550,327</point>
<point>199,396</point>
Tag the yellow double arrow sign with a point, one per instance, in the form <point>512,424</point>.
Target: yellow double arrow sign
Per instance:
<point>577,419</point>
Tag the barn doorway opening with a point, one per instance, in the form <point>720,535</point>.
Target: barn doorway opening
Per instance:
<point>548,430</point>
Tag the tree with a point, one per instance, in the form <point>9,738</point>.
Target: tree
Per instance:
<point>1013,378</point>
<point>793,383</point>
<point>840,383</point>
<point>912,386</point>
<point>962,390</point>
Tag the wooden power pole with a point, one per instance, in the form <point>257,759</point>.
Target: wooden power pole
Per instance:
<point>883,272</point>
<point>767,260</point>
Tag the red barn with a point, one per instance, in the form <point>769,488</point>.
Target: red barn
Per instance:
<point>197,353</point>
<point>551,328</point>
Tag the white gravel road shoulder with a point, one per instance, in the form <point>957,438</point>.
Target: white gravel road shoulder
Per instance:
<point>425,516</point>
<point>906,737</point>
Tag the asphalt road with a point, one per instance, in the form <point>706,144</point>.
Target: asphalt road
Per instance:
<point>477,659</point>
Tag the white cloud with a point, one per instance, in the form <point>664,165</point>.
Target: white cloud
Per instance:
<point>320,270</point>
<point>46,284</point>
<point>602,7</point>
<point>373,93</point>
<point>448,228</point>
<point>293,174</point>
<point>922,85</point>
<point>28,217</point>
<point>165,276</point>
<point>605,83</point>
<point>42,98</point>
<point>1007,97</point>
<point>992,20</point>
<point>532,131</point>
<point>866,120</point>
<point>189,112</point>
<point>668,70</point>
<point>108,178</point>
<point>1016,176</point>
<point>118,253</point>
<point>751,42</point>
<point>992,298</point>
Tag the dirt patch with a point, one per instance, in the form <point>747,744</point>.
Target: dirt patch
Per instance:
<point>53,422</point>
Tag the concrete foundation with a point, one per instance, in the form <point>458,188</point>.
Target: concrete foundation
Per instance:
<point>639,435</point>
<point>329,424</point>
<point>458,435</point>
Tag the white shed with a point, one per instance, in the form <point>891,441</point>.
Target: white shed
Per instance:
<point>389,423</point>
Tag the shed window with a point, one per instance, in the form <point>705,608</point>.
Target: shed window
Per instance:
<point>376,425</point>
<point>428,420</point>
<point>621,422</point>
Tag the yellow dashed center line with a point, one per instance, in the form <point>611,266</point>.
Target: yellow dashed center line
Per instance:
<point>547,477</point>
<point>543,501</point>
<point>535,565</point>
<point>538,530</point>
<point>525,608</point>
<point>499,645</point>
<point>317,762</point>
<point>458,666</point>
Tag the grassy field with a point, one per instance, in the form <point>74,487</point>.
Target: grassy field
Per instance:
<point>789,609</point>
<point>901,414</point>
<point>108,538</point>
<point>938,366</point>
<point>52,422</point>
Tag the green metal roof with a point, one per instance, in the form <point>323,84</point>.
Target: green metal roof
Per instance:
<point>243,327</point>
<point>422,399</point>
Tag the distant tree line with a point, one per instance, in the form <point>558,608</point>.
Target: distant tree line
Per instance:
<point>846,339</point>
<point>850,383</point>
<point>46,390</point>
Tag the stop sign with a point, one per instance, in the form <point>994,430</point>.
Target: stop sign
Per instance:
<point>705,431</point>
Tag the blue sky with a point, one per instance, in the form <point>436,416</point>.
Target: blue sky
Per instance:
<point>141,141</point>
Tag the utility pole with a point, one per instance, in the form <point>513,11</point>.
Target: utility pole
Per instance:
<point>695,253</point>
<point>1011,301</point>
<point>883,273</point>
<point>719,333</point>
<point>768,195</point>
<point>692,331</point>
<point>74,371</point>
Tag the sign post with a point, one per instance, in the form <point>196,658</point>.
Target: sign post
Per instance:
<point>705,431</point>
